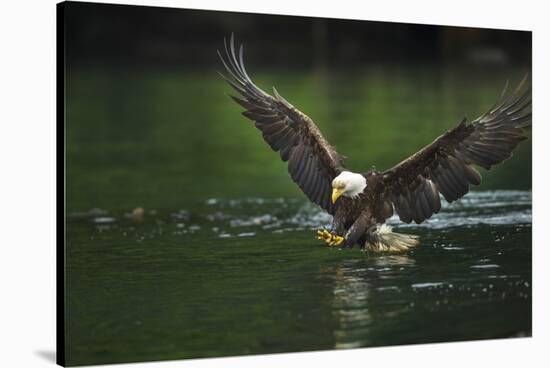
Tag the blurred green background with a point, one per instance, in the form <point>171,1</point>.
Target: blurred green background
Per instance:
<point>167,138</point>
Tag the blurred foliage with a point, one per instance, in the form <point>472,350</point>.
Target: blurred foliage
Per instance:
<point>171,139</point>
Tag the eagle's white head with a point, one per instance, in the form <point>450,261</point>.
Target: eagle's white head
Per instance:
<point>348,184</point>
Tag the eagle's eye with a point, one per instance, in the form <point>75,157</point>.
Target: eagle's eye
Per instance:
<point>338,185</point>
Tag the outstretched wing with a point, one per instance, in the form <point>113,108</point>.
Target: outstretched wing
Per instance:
<point>312,162</point>
<point>446,166</point>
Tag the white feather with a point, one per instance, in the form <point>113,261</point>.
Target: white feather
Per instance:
<point>384,229</point>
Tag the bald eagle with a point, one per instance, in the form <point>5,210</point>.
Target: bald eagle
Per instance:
<point>360,203</point>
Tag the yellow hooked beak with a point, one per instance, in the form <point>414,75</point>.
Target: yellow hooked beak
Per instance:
<point>336,192</point>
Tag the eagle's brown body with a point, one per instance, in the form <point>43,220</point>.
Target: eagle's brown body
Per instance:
<point>411,189</point>
<point>367,206</point>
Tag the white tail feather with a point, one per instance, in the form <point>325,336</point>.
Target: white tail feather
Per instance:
<point>383,239</point>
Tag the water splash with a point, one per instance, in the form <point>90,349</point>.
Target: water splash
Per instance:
<point>502,207</point>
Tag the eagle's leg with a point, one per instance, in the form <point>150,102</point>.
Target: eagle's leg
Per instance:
<point>356,231</point>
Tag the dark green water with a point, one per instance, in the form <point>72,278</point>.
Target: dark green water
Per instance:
<point>224,259</point>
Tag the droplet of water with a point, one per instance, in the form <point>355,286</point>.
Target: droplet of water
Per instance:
<point>426,285</point>
<point>485,266</point>
<point>104,220</point>
<point>241,235</point>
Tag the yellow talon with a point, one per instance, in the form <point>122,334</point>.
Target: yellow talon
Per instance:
<point>330,239</point>
<point>323,234</point>
<point>320,235</point>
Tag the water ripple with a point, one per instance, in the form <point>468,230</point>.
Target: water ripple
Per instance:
<point>251,216</point>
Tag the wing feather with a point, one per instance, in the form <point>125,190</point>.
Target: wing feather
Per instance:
<point>446,166</point>
<point>312,162</point>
